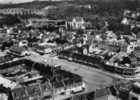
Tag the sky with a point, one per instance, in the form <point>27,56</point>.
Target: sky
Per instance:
<point>14,1</point>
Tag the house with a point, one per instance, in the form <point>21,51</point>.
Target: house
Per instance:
<point>111,36</point>
<point>104,94</point>
<point>76,23</point>
<point>137,51</point>
<point>18,51</point>
<point>125,21</point>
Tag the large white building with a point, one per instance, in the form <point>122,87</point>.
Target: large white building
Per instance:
<point>19,11</point>
<point>77,23</point>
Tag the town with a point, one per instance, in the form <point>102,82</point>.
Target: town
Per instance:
<point>70,50</point>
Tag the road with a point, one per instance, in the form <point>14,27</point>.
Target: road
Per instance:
<point>94,78</point>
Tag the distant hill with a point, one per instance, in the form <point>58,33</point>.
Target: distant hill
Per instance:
<point>38,4</point>
<point>41,4</point>
<point>34,4</point>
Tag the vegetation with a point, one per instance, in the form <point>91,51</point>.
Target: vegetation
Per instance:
<point>6,19</point>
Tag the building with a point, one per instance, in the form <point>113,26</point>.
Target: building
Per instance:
<point>111,36</point>
<point>36,22</point>
<point>18,51</point>
<point>19,11</point>
<point>114,46</point>
<point>76,23</point>
<point>135,92</point>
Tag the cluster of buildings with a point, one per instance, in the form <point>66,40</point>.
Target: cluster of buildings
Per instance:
<point>23,79</point>
<point>46,36</point>
<point>26,79</point>
<point>121,55</point>
<point>74,40</point>
<point>74,23</point>
<point>131,18</point>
